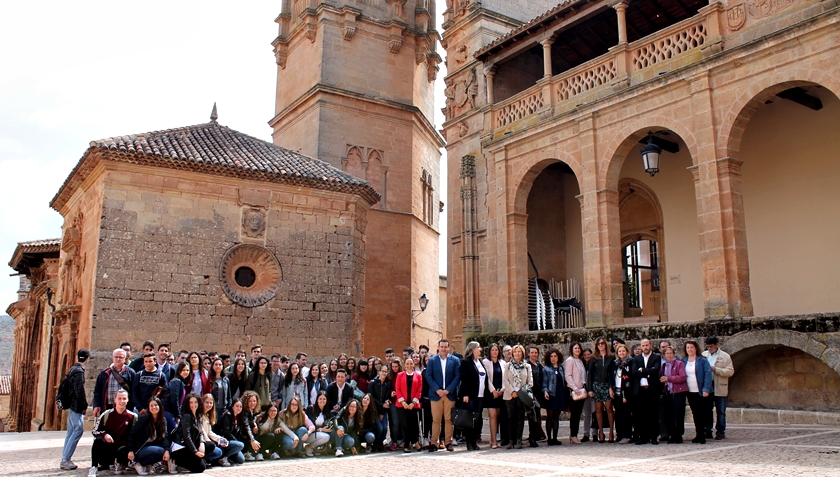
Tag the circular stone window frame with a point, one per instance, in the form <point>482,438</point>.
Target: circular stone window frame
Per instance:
<point>266,267</point>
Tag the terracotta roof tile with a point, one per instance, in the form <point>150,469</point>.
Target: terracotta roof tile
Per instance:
<point>525,27</point>
<point>215,149</point>
<point>33,247</point>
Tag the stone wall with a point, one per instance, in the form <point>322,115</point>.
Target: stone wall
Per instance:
<point>161,244</point>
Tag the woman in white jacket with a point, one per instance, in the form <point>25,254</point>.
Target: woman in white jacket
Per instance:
<point>516,376</point>
<point>494,401</point>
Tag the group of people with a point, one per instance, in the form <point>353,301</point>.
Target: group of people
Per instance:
<point>191,410</point>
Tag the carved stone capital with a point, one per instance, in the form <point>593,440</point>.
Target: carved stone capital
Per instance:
<point>467,166</point>
<point>729,165</point>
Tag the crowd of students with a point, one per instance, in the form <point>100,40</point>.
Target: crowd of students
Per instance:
<point>192,410</point>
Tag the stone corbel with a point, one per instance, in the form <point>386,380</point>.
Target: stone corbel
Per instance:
<point>395,39</point>
<point>422,48</point>
<point>397,8</point>
<point>281,51</point>
<point>350,23</point>
<point>311,32</point>
<point>432,62</point>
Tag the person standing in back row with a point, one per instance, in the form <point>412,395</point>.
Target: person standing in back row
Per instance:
<point>76,409</point>
<point>646,392</point>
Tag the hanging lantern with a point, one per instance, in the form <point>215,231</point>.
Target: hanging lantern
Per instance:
<point>650,156</point>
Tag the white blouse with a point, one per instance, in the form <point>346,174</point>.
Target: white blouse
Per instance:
<point>691,377</point>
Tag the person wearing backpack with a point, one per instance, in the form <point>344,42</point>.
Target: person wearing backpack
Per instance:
<point>71,398</point>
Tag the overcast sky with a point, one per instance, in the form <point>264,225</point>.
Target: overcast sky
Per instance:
<point>72,72</point>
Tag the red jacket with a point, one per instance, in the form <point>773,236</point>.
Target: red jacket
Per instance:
<point>401,389</point>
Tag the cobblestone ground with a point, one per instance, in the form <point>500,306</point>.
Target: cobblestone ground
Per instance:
<point>749,450</point>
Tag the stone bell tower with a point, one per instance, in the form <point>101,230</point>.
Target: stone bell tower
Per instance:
<point>355,85</point>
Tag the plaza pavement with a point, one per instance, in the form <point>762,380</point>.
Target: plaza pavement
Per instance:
<point>749,451</point>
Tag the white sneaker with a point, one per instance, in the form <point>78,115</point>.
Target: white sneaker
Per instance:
<point>140,469</point>
<point>224,462</point>
<point>260,457</point>
<point>309,452</point>
<point>339,452</point>
<point>275,456</point>
<point>425,442</point>
<point>172,466</point>
<point>249,457</point>
<point>119,469</point>
<point>92,472</point>
<point>67,465</point>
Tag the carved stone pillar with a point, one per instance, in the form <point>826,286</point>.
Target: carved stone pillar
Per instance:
<point>621,11</point>
<point>469,255</point>
<point>546,44</point>
<point>488,75</point>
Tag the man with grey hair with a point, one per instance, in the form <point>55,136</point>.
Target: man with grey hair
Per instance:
<point>110,380</point>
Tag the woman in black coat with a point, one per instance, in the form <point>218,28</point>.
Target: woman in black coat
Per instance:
<point>191,455</point>
<point>473,387</point>
<point>148,442</point>
<point>380,391</point>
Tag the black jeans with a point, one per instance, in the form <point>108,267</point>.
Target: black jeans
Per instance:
<point>475,406</point>
<point>409,425</point>
<point>698,404</point>
<point>647,408</point>
<point>104,454</point>
<point>516,419</point>
<point>675,414</point>
<point>623,428</point>
<point>186,459</point>
<point>576,408</point>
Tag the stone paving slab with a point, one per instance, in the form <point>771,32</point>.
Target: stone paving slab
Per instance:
<point>748,451</point>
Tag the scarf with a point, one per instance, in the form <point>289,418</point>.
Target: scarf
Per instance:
<point>517,378</point>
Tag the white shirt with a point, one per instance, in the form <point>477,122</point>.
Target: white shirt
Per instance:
<point>304,372</point>
<point>481,373</point>
<point>713,357</point>
<point>691,377</point>
<point>443,371</point>
<point>645,357</point>
<point>196,382</point>
<point>340,391</point>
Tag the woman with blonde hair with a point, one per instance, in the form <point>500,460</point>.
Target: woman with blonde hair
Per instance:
<point>224,448</point>
<point>621,393</point>
<point>576,381</point>
<point>517,376</point>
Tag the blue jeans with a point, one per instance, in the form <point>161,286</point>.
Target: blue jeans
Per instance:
<point>716,403</point>
<point>214,455</point>
<point>288,444</point>
<point>381,429</point>
<point>344,442</point>
<point>149,455</point>
<point>75,429</point>
<point>234,451</point>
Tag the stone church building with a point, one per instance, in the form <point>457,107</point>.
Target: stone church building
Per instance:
<point>210,239</point>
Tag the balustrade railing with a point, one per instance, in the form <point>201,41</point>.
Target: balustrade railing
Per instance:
<point>588,76</point>
<point>520,106</point>
<point>669,43</point>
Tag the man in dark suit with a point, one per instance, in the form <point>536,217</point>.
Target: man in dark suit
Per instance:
<point>646,391</point>
<point>339,393</point>
<point>443,374</point>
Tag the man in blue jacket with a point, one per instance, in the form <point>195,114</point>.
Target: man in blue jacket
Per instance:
<point>443,373</point>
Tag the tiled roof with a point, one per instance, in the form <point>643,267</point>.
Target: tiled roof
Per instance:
<point>5,385</point>
<point>526,27</point>
<point>214,149</point>
<point>33,247</point>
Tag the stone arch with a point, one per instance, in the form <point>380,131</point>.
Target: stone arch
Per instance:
<point>760,89</point>
<point>353,164</point>
<point>530,171</point>
<point>373,171</point>
<point>617,149</point>
<point>757,340</point>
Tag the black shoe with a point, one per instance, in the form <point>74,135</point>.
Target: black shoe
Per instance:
<point>504,442</point>
<point>699,440</point>
<point>449,448</point>
<point>708,434</point>
<point>664,438</point>
<point>720,436</point>
<point>585,438</point>
<point>533,443</point>
<point>433,448</point>
<point>541,438</point>
<point>654,442</point>
<point>641,442</point>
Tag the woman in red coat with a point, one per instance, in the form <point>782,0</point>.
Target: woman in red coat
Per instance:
<point>408,387</point>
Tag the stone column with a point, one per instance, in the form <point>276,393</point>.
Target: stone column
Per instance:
<point>601,239</point>
<point>546,44</point>
<point>469,255</point>
<point>720,216</point>
<point>488,75</point>
<point>620,10</point>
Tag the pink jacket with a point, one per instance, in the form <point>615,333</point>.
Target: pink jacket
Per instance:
<point>677,376</point>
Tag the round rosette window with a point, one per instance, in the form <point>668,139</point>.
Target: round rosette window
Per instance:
<point>250,274</point>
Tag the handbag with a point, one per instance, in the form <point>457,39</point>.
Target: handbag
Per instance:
<point>579,394</point>
<point>462,418</point>
<point>526,396</point>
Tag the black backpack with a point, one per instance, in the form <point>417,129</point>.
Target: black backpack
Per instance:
<point>63,399</point>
